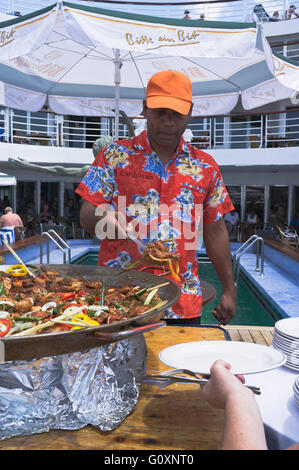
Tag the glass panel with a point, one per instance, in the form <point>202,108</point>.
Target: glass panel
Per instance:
<point>278,213</point>
<point>235,195</point>
<point>19,127</point>
<point>255,201</point>
<point>39,129</point>
<point>292,129</point>
<point>5,197</point>
<point>49,198</point>
<point>25,196</point>
<point>239,132</point>
<point>72,205</point>
<point>72,201</point>
<point>233,219</point>
<point>295,216</point>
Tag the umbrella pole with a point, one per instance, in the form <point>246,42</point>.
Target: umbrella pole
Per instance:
<point>118,65</point>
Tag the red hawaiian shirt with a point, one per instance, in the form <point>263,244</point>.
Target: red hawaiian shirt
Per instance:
<point>164,202</point>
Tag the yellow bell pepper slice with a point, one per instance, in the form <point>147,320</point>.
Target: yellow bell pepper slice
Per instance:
<point>17,270</point>
<point>86,321</point>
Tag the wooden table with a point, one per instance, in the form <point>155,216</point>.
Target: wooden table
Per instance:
<point>174,418</point>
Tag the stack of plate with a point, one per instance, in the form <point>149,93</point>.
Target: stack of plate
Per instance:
<point>296,390</point>
<point>286,339</point>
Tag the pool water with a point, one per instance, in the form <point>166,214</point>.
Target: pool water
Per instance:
<point>252,308</point>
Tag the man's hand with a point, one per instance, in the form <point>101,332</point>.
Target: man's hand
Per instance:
<point>226,310</point>
<point>218,249</point>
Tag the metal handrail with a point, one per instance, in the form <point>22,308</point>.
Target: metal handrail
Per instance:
<point>49,236</point>
<point>242,249</point>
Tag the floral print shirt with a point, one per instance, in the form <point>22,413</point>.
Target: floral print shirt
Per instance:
<point>167,202</point>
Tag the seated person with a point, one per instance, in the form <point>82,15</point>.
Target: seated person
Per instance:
<point>187,16</point>
<point>45,217</point>
<point>252,217</point>
<point>232,221</point>
<point>275,16</point>
<point>291,13</point>
<point>251,221</point>
<point>9,219</point>
<point>278,217</point>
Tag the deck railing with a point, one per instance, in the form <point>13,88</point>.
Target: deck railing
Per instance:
<point>229,10</point>
<point>276,129</point>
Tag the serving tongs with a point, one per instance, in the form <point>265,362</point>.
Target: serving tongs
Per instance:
<point>141,245</point>
<point>169,377</point>
<point>136,240</point>
<point>17,257</point>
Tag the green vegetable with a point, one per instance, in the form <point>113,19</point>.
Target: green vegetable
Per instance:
<point>27,319</point>
<point>90,299</point>
<point>120,307</point>
<point>2,288</point>
<point>56,310</point>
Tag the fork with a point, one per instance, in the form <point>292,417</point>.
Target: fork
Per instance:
<point>174,374</point>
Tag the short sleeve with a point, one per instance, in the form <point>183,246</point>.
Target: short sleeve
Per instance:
<point>98,185</point>
<point>217,202</point>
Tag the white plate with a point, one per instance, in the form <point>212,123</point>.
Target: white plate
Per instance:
<point>290,344</point>
<point>288,327</point>
<point>244,358</point>
<point>293,350</point>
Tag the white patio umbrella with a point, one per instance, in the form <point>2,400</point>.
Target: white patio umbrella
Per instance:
<point>89,61</point>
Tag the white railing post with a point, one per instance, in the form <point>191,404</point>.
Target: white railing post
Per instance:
<point>59,130</point>
<point>245,7</point>
<point>11,124</point>
<point>7,125</point>
<point>261,131</point>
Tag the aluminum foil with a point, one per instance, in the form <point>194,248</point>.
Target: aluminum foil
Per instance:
<point>99,387</point>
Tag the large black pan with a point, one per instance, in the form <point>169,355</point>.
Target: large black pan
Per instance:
<point>44,345</point>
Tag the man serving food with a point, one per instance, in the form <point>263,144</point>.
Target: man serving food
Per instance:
<point>163,189</point>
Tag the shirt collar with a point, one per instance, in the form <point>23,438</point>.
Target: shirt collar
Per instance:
<point>143,140</point>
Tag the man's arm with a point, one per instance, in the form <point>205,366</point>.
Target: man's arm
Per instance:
<point>217,244</point>
<point>88,219</point>
<point>102,222</point>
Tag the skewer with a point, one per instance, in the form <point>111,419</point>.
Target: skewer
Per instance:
<point>17,256</point>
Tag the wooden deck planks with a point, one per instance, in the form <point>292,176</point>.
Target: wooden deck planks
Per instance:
<point>251,334</point>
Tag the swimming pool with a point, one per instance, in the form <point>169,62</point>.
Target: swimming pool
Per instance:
<point>252,308</point>
<point>277,292</point>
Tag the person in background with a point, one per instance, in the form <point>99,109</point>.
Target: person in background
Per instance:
<point>232,220</point>
<point>45,216</point>
<point>243,425</point>
<point>291,13</point>
<point>275,16</point>
<point>10,219</point>
<point>155,170</point>
<point>278,217</point>
<point>252,217</point>
<point>186,17</point>
<point>251,221</point>
<point>11,226</point>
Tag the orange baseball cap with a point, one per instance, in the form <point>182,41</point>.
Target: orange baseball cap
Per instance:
<point>169,89</point>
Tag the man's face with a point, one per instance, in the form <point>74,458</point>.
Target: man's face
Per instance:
<point>165,126</point>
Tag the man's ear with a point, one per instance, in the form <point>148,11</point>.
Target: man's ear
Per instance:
<point>144,108</point>
<point>190,111</point>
